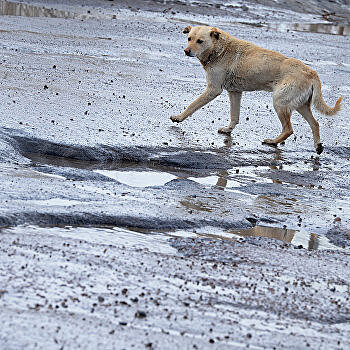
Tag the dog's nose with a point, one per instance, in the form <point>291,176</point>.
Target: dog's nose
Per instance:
<point>187,51</point>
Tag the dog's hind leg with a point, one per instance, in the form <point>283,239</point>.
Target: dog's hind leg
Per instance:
<point>235,107</point>
<point>305,111</point>
<point>284,115</point>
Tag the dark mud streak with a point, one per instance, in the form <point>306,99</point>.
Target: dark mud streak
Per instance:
<point>124,221</point>
<point>198,159</point>
<point>27,145</point>
<point>85,153</point>
<point>186,158</point>
<point>194,160</point>
<point>73,174</point>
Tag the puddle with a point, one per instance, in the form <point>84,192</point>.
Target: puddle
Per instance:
<point>104,236</point>
<point>139,178</point>
<point>8,8</point>
<point>300,239</point>
<point>230,180</point>
<point>233,180</point>
<point>215,181</point>
<point>320,28</point>
<point>56,161</point>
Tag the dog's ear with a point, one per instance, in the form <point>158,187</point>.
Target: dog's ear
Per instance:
<point>187,29</point>
<point>214,33</point>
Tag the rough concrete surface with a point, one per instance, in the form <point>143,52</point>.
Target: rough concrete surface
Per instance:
<point>121,230</point>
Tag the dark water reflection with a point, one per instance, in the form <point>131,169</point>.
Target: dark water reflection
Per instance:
<point>322,28</point>
<point>8,8</point>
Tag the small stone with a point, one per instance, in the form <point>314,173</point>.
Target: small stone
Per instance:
<point>140,314</point>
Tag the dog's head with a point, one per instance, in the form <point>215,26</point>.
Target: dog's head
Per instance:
<point>200,40</point>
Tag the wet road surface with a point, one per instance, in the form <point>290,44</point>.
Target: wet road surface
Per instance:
<point>142,233</point>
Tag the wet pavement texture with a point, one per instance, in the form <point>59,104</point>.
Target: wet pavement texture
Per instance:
<point>119,229</point>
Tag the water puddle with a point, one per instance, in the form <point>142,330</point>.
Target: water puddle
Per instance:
<point>104,236</point>
<point>232,180</point>
<point>320,28</point>
<point>299,239</point>
<point>235,180</point>
<point>139,178</point>
<point>8,8</point>
<point>215,181</point>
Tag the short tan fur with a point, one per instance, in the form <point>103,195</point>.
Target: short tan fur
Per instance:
<point>238,65</point>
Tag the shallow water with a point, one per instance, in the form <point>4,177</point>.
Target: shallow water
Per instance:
<point>138,178</point>
<point>8,8</point>
<point>320,28</point>
<point>298,238</point>
<point>231,180</point>
<point>101,235</point>
<point>142,179</point>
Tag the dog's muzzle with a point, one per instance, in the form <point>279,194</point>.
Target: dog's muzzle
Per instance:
<point>188,52</point>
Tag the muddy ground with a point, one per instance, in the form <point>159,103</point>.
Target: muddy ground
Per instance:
<point>121,230</point>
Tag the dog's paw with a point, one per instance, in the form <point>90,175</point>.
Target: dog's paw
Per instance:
<point>319,148</point>
<point>269,142</point>
<point>225,130</point>
<point>176,118</point>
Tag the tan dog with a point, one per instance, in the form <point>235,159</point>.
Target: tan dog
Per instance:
<point>237,65</point>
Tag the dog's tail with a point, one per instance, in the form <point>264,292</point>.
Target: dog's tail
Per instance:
<point>318,101</point>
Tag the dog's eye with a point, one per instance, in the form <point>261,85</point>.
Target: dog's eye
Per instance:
<point>189,39</point>
<point>199,41</point>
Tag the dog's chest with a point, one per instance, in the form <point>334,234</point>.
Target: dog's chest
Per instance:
<point>234,82</point>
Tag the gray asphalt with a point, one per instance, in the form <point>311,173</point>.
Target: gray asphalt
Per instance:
<point>101,192</point>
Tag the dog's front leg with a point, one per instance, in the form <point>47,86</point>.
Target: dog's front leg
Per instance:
<point>208,95</point>
<point>235,107</point>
